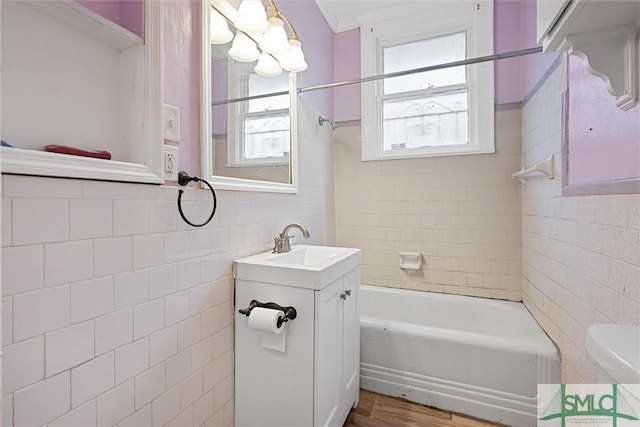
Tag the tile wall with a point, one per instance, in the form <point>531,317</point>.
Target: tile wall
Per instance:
<point>461,213</point>
<point>117,312</point>
<point>581,255</point>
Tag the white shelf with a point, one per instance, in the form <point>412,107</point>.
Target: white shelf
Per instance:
<point>604,35</point>
<point>42,163</point>
<point>88,22</point>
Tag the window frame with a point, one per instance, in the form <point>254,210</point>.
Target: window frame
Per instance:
<point>237,112</point>
<point>476,20</point>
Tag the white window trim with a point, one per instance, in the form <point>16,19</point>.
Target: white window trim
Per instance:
<point>439,18</point>
<point>236,113</point>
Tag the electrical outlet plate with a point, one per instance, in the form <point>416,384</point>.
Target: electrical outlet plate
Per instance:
<point>171,123</point>
<point>170,163</point>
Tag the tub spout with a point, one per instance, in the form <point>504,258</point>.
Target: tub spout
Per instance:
<point>281,241</point>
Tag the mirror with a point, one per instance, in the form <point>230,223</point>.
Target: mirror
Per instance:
<point>248,144</point>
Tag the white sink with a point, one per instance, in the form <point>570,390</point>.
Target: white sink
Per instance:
<point>305,266</point>
<point>616,350</point>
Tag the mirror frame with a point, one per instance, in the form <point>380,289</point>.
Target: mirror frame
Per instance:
<point>206,148</point>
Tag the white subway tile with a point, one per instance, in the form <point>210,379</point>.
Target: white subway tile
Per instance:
<point>220,239</point>
<point>148,250</point>
<point>113,330</point>
<point>112,255</point>
<point>201,354</point>
<point>163,344</point>
<point>210,321</point>
<point>200,297</point>
<point>90,219</point>
<point>23,363</point>
<point>223,392</point>
<point>188,332</point>
<point>51,397</point>
<point>176,308</point>
<point>217,420</point>
<point>116,405</point>
<point>131,288</point>
<point>191,390</point>
<point>162,216</point>
<point>7,329</point>
<point>129,217</point>
<point>108,190</point>
<point>176,246</point>
<point>92,379</point>
<point>90,299</point>
<point>40,188</point>
<point>40,221</point>
<point>188,273</point>
<point>222,290</point>
<point>84,416</point>
<point>148,318</point>
<point>178,368</point>
<point>203,409</point>
<point>229,412</point>
<point>131,360</point>
<point>184,419</point>
<point>166,407</point>
<point>6,222</point>
<point>38,312</point>
<point>211,268</point>
<point>149,385</point>
<point>162,280</point>
<point>140,418</point>
<point>212,374</point>
<point>7,410</point>
<point>199,242</point>
<point>59,357</point>
<point>222,341</point>
<point>68,262</point>
<point>22,269</point>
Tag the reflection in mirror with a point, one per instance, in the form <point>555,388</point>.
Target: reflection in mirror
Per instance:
<point>249,136</point>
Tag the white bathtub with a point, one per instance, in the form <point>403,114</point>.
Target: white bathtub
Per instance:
<point>470,355</point>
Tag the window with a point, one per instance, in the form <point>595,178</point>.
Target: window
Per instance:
<point>258,128</point>
<point>433,113</point>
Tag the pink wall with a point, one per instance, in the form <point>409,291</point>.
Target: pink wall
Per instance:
<point>128,14</point>
<point>346,104</point>
<point>514,28</point>
<point>182,76</point>
<point>533,66</point>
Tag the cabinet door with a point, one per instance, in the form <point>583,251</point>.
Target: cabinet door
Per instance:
<point>351,338</point>
<point>328,355</point>
<point>548,12</point>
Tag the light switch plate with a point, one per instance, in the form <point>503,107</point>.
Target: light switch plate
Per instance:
<point>171,123</point>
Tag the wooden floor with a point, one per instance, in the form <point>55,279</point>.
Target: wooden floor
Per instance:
<point>376,410</point>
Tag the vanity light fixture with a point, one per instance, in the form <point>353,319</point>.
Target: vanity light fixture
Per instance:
<point>257,38</point>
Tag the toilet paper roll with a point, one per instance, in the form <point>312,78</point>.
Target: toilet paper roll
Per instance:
<point>266,320</point>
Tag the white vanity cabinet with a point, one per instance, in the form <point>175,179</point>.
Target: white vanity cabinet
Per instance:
<point>315,381</point>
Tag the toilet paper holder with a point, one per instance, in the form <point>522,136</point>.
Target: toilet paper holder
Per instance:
<point>290,312</point>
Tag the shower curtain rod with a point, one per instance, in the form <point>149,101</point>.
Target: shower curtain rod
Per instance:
<point>487,58</point>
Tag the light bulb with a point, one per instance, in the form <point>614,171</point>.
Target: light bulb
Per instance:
<point>267,66</point>
<point>275,39</point>
<point>243,48</point>
<point>294,59</point>
<point>218,29</point>
<point>252,17</point>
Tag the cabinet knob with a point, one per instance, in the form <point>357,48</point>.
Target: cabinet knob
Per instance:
<point>343,296</point>
<point>348,292</point>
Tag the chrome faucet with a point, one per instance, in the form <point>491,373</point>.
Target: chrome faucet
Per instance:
<point>281,241</point>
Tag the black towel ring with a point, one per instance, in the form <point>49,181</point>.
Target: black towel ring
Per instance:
<point>184,179</point>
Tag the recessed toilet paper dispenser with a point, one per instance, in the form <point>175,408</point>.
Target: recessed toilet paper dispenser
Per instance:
<point>290,312</point>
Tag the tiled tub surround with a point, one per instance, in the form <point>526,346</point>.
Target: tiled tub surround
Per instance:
<point>461,213</point>
<point>114,311</point>
<point>581,255</point>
